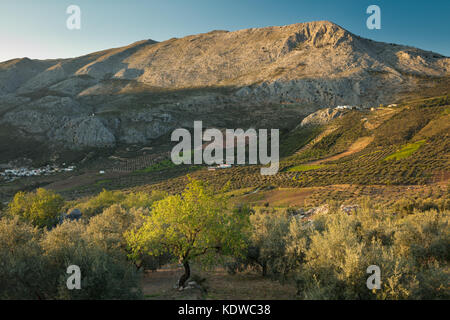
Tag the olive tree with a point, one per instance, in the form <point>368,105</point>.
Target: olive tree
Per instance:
<point>106,273</point>
<point>23,270</point>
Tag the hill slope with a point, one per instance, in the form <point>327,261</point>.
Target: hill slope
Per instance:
<point>409,146</point>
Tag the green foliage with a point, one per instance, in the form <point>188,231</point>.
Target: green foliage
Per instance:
<point>33,262</point>
<point>23,273</point>
<point>193,225</point>
<point>103,200</point>
<point>337,257</point>
<point>106,199</point>
<point>268,230</point>
<point>328,256</point>
<point>306,167</point>
<point>142,199</point>
<point>42,207</point>
<point>107,229</point>
<point>406,151</point>
<point>106,274</point>
<point>165,164</point>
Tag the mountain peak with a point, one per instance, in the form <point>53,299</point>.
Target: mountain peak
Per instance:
<point>137,92</point>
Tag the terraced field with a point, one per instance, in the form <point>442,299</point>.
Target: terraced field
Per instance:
<point>390,154</point>
<point>409,147</point>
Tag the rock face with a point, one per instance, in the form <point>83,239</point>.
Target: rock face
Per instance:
<point>140,92</point>
<point>85,132</point>
<point>321,117</point>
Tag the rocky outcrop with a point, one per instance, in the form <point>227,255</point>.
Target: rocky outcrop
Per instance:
<point>321,117</point>
<point>84,132</point>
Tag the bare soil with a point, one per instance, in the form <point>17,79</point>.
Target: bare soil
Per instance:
<point>218,285</point>
<point>357,146</point>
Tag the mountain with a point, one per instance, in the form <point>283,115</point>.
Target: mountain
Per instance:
<point>261,77</point>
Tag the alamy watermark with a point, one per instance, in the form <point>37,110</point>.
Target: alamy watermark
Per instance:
<point>374,281</point>
<point>374,20</point>
<point>73,22</point>
<point>213,153</point>
<point>74,280</point>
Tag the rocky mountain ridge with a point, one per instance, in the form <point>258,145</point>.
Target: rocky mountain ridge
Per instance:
<point>253,77</point>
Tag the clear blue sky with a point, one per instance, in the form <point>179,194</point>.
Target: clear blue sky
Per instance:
<point>37,29</point>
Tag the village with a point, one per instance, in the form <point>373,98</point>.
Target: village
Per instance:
<point>10,175</point>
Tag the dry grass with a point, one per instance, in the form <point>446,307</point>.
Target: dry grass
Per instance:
<point>219,286</point>
<point>245,286</point>
<point>346,193</point>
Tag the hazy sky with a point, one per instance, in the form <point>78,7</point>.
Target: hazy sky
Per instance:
<point>37,29</point>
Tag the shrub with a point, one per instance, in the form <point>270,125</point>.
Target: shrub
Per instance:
<point>23,271</point>
<point>33,262</point>
<point>407,250</point>
<point>103,200</point>
<point>142,199</point>
<point>105,273</point>
<point>268,231</point>
<point>106,199</point>
<point>327,257</point>
<point>42,207</point>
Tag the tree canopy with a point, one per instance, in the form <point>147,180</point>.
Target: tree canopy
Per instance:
<point>196,224</point>
<point>42,207</point>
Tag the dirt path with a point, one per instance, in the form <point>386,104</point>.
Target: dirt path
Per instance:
<point>357,146</point>
<point>160,283</point>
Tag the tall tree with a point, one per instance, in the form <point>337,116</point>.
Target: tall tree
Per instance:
<point>193,225</point>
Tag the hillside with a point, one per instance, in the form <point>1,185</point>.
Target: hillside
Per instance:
<point>262,77</point>
<point>400,146</point>
<point>389,150</point>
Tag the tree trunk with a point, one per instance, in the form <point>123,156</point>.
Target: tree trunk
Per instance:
<point>186,275</point>
<point>264,269</point>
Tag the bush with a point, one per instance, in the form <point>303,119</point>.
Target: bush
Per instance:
<point>268,231</point>
<point>407,250</point>
<point>23,271</point>
<point>33,262</point>
<point>327,257</point>
<point>106,199</point>
<point>103,200</point>
<point>42,207</point>
<point>142,199</point>
<point>266,244</point>
<point>105,273</point>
